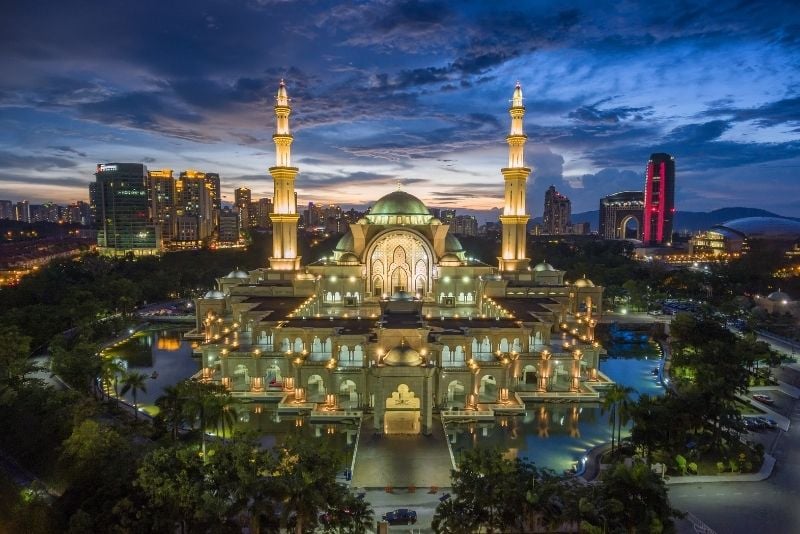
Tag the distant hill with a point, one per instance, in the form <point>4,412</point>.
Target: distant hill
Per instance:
<point>691,221</point>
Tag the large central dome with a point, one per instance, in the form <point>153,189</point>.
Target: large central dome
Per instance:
<point>399,203</point>
<point>399,207</point>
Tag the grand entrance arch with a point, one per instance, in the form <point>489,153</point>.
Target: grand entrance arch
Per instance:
<point>399,260</point>
<point>630,227</point>
<point>402,412</point>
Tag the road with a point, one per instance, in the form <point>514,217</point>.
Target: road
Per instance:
<point>768,507</point>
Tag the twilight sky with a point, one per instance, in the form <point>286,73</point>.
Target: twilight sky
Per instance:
<point>407,90</point>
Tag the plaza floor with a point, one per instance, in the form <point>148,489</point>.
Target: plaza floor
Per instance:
<point>401,461</point>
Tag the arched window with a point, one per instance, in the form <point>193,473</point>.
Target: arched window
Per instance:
<point>504,345</point>
<point>298,345</point>
<point>459,354</point>
<point>515,345</point>
<point>285,344</point>
<point>344,353</point>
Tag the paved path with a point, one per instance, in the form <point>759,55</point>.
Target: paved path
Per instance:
<point>402,460</point>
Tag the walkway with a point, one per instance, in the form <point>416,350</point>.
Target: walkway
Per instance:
<point>401,461</point>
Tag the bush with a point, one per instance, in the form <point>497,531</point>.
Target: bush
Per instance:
<point>692,468</point>
<point>721,467</point>
<point>681,462</point>
<point>734,466</point>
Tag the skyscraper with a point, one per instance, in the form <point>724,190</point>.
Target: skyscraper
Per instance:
<point>193,199</point>
<point>162,202</point>
<point>659,199</point>
<point>212,181</point>
<point>93,213</point>
<point>241,200</point>
<point>6,209</point>
<point>557,212</point>
<point>123,205</point>
<point>22,211</point>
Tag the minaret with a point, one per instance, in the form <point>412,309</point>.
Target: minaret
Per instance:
<point>284,217</point>
<point>515,218</point>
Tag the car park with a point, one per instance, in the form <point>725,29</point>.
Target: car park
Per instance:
<point>767,422</point>
<point>401,516</point>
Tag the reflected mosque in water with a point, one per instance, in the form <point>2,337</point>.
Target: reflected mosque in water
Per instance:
<point>400,322</point>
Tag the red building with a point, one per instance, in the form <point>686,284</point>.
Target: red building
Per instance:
<point>659,200</point>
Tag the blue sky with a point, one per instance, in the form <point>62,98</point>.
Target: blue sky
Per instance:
<point>411,91</point>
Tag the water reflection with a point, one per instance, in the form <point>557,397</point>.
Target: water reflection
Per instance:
<point>556,435</point>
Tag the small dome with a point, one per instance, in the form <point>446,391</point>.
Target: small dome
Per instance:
<point>349,258</point>
<point>346,243</point>
<point>404,296</point>
<point>544,266</point>
<point>399,203</point>
<point>402,356</point>
<point>583,282</point>
<point>450,260</point>
<point>779,296</point>
<point>452,244</point>
<point>214,294</point>
<point>238,274</point>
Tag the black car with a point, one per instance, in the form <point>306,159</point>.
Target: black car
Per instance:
<point>401,516</point>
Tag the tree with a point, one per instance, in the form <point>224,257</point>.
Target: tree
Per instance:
<point>171,409</point>
<point>610,404</point>
<point>14,363</point>
<point>199,404</point>
<point>134,382</point>
<point>110,371</point>
<point>348,515</point>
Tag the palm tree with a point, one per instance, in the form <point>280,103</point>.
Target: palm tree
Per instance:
<point>610,404</point>
<point>110,369</point>
<point>171,406</point>
<point>624,406</point>
<point>200,399</point>
<point>220,413</point>
<point>134,382</point>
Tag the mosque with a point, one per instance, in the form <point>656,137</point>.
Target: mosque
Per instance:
<point>400,322</point>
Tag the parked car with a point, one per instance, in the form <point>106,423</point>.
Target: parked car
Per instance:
<point>767,422</point>
<point>752,425</point>
<point>766,399</point>
<point>401,516</point>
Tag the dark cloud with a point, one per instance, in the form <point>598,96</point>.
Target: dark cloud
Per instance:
<point>592,114</point>
<point>68,150</point>
<point>11,160</point>
<point>778,112</point>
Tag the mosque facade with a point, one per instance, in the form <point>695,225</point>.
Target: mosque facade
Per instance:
<point>400,322</point>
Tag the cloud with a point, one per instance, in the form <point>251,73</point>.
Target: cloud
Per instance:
<point>68,150</point>
<point>11,160</point>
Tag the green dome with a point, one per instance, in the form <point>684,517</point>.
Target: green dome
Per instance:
<point>399,203</point>
<point>452,244</point>
<point>346,243</point>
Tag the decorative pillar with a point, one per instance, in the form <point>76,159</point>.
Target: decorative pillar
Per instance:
<point>515,218</point>
<point>284,217</point>
<point>575,382</point>
<point>544,370</point>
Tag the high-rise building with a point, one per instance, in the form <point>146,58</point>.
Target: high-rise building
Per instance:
<point>162,202</point>
<point>262,210</point>
<point>93,203</point>
<point>228,226</point>
<point>447,215</point>
<point>6,209</point>
<point>78,213</point>
<point>556,218</point>
<point>618,211</point>
<point>212,181</point>
<point>464,225</point>
<point>123,205</point>
<point>193,199</point>
<point>515,216</point>
<point>242,198</point>
<point>22,211</point>
<point>659,199</point>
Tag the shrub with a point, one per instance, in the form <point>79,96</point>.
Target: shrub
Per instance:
<point>681,462</point>
<point>721,467</point>
<point>692,468</point>
<point>734,466</point>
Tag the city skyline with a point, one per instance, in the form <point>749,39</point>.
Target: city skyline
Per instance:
<point>408,91</point>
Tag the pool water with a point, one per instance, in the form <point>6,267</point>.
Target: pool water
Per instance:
<point>556,435</point>
<point>162,354</point>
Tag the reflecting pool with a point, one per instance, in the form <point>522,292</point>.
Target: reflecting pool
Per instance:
<point>160,352</point>
<point>556,435</point>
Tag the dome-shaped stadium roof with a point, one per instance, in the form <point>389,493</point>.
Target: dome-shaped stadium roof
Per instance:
<point>238,274</point>
<point>452,244</point>
<point>402,356</point>
<point>544,266</point>
<point>399,203</point>
<point>779,296</point>
<point>214,294</point>
<point>774,228</point>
